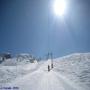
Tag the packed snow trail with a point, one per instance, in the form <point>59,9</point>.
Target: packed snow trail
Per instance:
<point>41,79</point>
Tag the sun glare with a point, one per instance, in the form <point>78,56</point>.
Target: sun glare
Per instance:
<point>59,7</point>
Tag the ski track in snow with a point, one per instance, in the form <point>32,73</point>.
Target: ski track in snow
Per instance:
<point>41,79</point>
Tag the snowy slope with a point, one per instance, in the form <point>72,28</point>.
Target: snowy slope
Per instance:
<point>71,72</point>
<point>12,68</point>
<point>9,62</point>
<point>75,67</point>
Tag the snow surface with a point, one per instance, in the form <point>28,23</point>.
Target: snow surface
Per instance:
<point>71,72</point>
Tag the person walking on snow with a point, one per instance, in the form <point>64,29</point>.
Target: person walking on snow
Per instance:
<point>48,68</point>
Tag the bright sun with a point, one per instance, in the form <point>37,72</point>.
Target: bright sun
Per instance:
<point>59,7</point>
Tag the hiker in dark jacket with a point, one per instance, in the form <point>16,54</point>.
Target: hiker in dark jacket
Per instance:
<point>48,68</point>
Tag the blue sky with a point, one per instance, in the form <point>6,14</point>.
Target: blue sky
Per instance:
<point>30,26</point>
